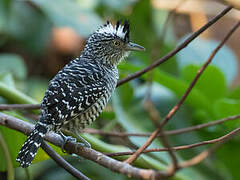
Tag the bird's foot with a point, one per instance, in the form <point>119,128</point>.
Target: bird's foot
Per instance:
<point>83,143</point>
<point>65,140</point>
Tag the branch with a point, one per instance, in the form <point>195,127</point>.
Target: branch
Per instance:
<point>171,132</point>
<point>178,105</point>
<point>176,148</point>
<point>62,162</point>
<point>73,148</point>
<point>197,159</point>
<point>155,116</point>
<point>176,50</point>
<point>19,106</point>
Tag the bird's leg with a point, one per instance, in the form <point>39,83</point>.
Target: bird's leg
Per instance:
<point>65,140</point>
<point>83,142</point>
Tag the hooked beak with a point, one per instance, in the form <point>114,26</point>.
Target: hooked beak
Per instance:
<point>134,47</point>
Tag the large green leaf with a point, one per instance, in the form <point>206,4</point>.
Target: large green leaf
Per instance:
<point>235,93</point>
<point>211,83</point>
<point>27,28</point>
<point>14,64</point>
<point>7,78</point>
<point>5,6</point>
<point>133,123</point>
<point>14,144</point>
<point>14,95</point>
<point>199,50</point>
<point>227,107</point>
<point>195,99</point>
<point>141,24</point>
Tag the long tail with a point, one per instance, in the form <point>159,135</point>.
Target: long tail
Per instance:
<point>31,145</point>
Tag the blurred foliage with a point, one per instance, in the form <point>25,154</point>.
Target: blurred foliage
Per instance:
<point>26,31</point>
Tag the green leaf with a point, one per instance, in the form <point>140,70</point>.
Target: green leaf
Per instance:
<point>14,95</point>
<point>199,50</point>
<point>70,13</point>
<point>211,83</point>
<point>13,64</point>
<point>227,107</point>
<point>5,6</point>
<point>196,98</point>
<point>19,139</point>
<point>235,93</point>
<point>133,124</point>
<point>7,78</point>
<point>117,5</point>
<point>36,87</point>
<point>7,158</point>
<point>28,28</point>
<point>141,20</point>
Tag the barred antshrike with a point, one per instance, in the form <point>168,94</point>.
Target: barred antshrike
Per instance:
<point>80,91</point>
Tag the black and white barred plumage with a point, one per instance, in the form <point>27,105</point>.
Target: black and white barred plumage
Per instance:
<point>80,91</point>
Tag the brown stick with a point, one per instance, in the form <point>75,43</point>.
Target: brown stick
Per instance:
<point>62,162</point>
<point>88,153</point>
<point>176,148</point>
<point>171,132</point>
<point>178,105</point>
<point>176,50</point>
<point>200,157</point>
<point>19,106</point>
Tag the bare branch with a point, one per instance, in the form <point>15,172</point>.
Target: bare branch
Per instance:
<point>200,157</point>
<point>176,50</point>
<point>180,102</point>
<point>171,132</point>
<point>176,148</point>
<point>155,116</point>
<point>88,153</point>
<point>62,162</point>
<point>19,106</point>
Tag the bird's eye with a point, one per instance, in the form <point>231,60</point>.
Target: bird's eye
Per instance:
<point>116,43</point>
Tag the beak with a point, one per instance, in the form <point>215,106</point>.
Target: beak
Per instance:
<point>134,47</point>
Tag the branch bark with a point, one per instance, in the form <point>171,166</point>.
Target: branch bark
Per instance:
<point>62,162</point>
<point>176,50</point>
<point>170,132</point>
<point>185,95</point>
<point>91,154</point>
<point>176,148</point>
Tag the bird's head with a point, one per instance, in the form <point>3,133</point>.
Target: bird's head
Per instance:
<point>110,43</point>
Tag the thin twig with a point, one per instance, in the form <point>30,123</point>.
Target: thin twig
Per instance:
<point>19,106</point>
<point>180,102</point>
<point>174,166</point>
<point>200,157</point>
<point>199,73</point>
<point>176,148</point>
<point>62,162</point>
<point>155,116</point>
<point>171,132</point>
<point>176,50</point>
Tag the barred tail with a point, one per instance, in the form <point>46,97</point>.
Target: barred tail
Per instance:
<point>31,145</point>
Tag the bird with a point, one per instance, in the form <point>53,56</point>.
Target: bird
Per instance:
<point>80,91</point>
